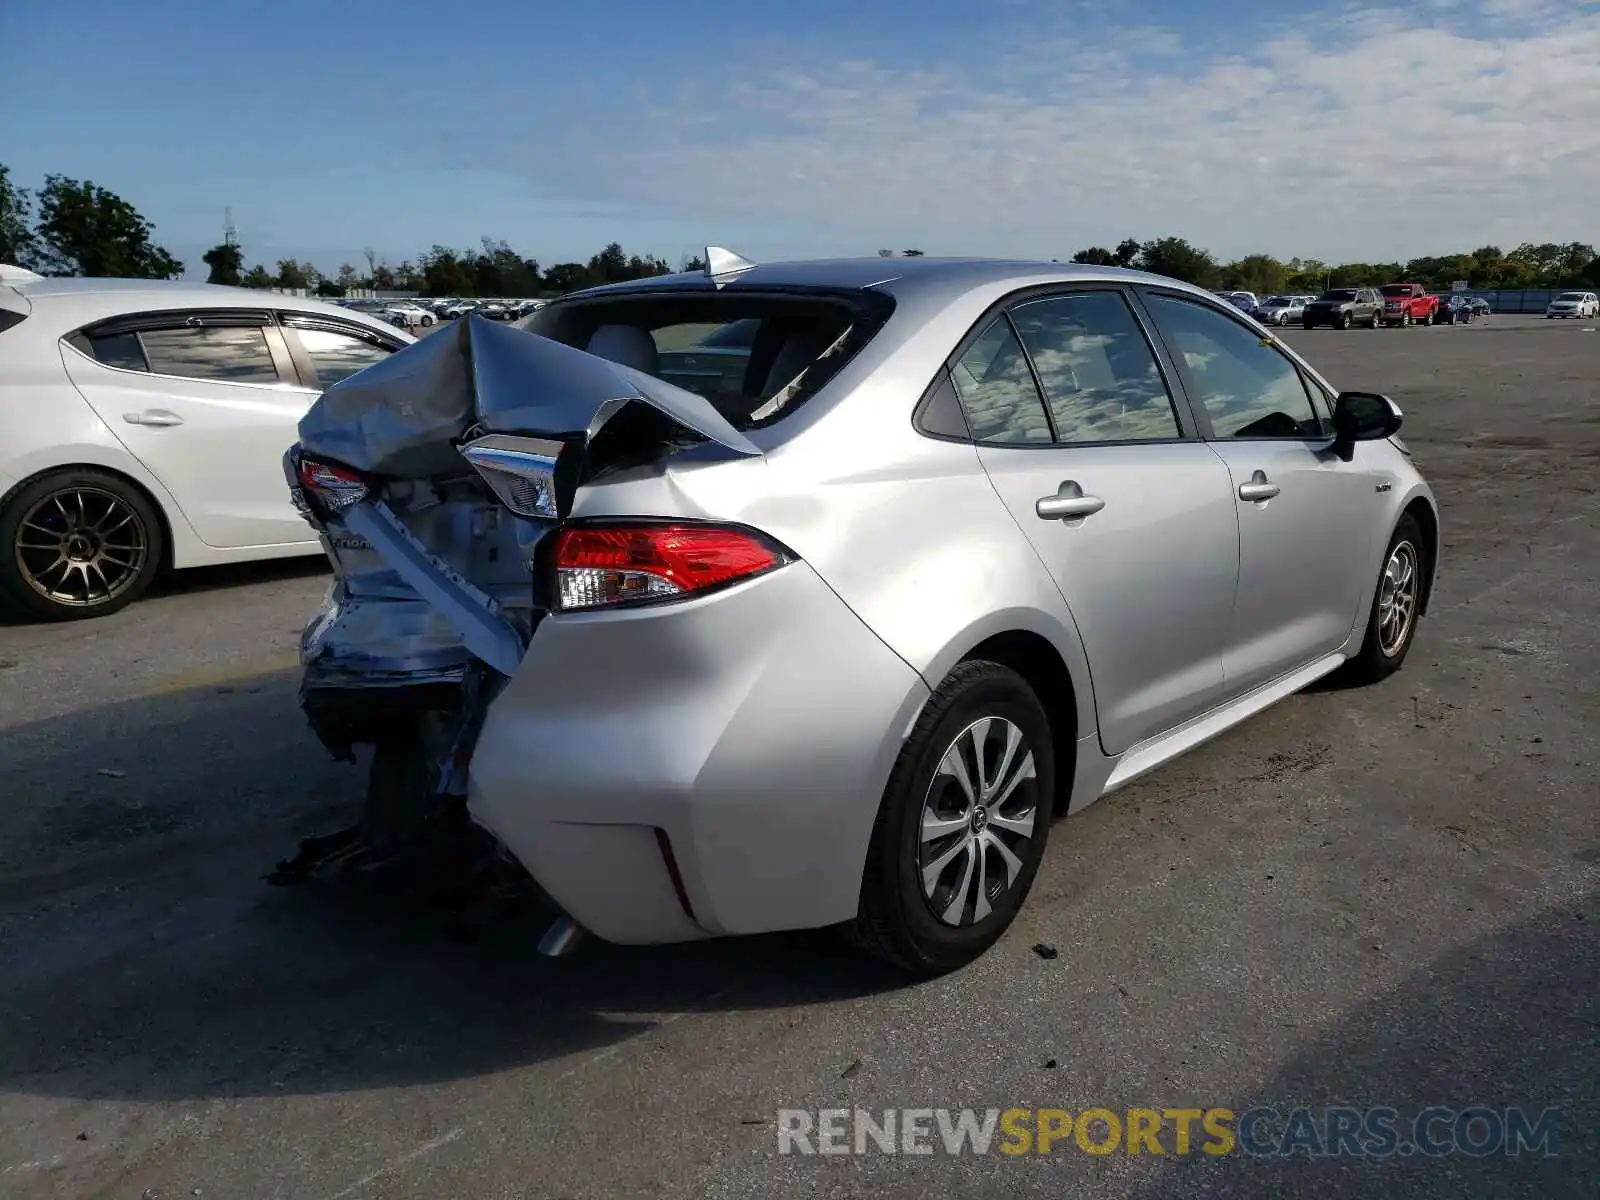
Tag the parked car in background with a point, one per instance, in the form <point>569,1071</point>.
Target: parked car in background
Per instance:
<point>1408,304</point>
<point>495,310</point>
<point>407,314</point>
<point>964,546</point>
<point>1280,310</point>
<point>1480,307</point>
<point>460,308</point>
<point>143,423</point>
<point>1574,304</point>
<point>1243,301</point>
<point>1340,308</point>
<point>1455,310</point>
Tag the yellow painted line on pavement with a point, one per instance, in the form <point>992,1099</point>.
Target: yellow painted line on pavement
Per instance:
<point>224,673</point>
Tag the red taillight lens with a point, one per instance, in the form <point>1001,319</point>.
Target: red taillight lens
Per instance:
<point>335,487</point>
<point>619,564</point>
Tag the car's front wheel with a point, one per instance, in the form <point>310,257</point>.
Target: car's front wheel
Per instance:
<point>963,824</point>
<point>1396,605</point>
<point>77,543</point>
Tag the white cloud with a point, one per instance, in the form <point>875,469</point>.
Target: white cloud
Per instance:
<point>1369,132</point>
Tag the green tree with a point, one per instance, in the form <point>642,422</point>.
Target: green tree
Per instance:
<point>1095,256</point>
<point>293,274</point>
<point>911,254</point>
<point>84,229</point>
<point>691,262</point>
<point>327,287</point>
<point>17,243</point>
<point>226,262</point>
<point>444,273</point>
<point>567,277</point>
<point>1258,273</point>
<point>1177,259</point>
<point>258,277</point>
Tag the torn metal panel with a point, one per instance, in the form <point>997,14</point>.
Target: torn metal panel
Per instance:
<point>401,417</point>
<point>474,614</point>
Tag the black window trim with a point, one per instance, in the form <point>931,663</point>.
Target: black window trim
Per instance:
<point>186,318</point>
<point>1189,428</point>
<point>1191,387</point>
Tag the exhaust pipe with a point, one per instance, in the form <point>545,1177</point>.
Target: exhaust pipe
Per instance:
<point>561,938</point>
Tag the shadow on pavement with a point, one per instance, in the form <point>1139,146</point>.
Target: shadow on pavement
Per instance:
<point>1509,1021</point>
<point>142,957</point>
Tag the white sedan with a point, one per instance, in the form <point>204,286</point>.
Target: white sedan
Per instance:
<point>409,315</point>
<point>143,424</point>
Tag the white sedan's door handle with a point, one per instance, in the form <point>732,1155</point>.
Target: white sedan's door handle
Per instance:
<point>1258,489</point>
<point>157,417</point>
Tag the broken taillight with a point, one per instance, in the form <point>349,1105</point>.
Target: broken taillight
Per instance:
<point>597,566</point>
<point>333,487</point>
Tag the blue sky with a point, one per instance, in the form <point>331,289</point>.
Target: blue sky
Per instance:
<point>1029,127</point>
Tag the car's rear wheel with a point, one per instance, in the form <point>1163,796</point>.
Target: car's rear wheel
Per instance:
<point>963,824</point>
<point>1396,606</point>
<point>1344,320</point>
<point>76,544</point>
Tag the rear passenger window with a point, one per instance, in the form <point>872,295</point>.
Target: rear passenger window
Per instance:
<point>118,350</point>
<point>997,389</point>
<point>222,353</point>
<point>1098,372</point>
<point>338,355</point>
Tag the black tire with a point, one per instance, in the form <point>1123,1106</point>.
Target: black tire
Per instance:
<point>1375,662</point>
<point>897,920</point>
<point>1377,319</point>
<point>143,525</point>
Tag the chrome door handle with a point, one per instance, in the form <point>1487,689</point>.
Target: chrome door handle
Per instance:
<point>1258,488</point>
<point>157,417</point>
<point>1068,502</point>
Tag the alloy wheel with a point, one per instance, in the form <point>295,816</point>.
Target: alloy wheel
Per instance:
<point>977,820</point>
<point>1397,599</point>
<point>81,547</point>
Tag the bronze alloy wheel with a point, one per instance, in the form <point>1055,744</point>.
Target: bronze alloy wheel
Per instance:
<point>81,547</point>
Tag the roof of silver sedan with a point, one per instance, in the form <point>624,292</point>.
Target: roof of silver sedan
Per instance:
<point>918,272</point>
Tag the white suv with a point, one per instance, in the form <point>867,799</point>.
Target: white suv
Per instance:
<point>143,423</point>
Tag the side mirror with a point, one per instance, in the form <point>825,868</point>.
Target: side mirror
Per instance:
<point>1362,417</point>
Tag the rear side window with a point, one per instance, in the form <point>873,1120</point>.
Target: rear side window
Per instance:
<point>118,350</point>
<point>9,317</point>
<point>1098,372</point>
<point>997,389</point>
<point>223,354</point>
<point>338,355</point>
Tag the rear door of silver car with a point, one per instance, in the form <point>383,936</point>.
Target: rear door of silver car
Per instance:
<point>1103,470</point>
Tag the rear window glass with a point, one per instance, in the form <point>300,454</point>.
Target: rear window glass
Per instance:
<point>1396,289</point>
<point>1341,294</point>
<point>754,356</point>
<point>236,354</point>
<point>118,350</point>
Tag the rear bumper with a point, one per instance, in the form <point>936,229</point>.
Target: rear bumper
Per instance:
<point>755,729</point>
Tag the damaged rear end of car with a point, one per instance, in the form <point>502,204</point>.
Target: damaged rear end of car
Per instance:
<point>455,486</point>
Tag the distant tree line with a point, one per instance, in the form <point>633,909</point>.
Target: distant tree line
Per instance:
<point>1547,265</point>
<point>75,227</point>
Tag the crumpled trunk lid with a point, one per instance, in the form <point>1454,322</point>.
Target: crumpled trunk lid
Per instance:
<point>434,572</point>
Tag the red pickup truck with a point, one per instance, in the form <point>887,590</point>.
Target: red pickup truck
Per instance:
<point>1408,304</point>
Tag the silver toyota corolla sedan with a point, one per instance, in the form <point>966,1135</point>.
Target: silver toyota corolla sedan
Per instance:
<point>827,638</point>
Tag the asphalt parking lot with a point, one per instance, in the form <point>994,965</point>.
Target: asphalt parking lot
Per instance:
<point>1384,897</point>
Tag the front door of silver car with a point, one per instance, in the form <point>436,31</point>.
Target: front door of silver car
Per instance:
<point>1307,519</point>
<point>1134,518</point>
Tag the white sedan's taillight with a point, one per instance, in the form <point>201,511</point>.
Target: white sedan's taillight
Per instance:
<point>598,566</point>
